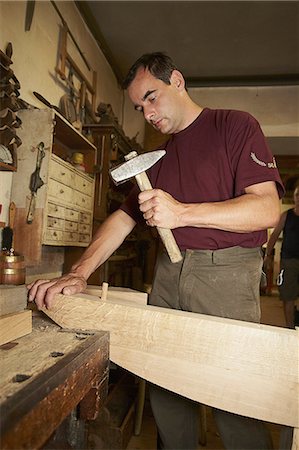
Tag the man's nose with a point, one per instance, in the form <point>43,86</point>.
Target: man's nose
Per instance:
<point>149,113</point>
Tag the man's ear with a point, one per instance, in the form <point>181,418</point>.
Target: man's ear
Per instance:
<point>177,80</point>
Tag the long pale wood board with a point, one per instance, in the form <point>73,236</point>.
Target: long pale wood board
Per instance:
<point>119,293</point>
<point>245,368</point>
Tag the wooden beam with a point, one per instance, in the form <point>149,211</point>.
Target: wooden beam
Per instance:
<point>241,367</point>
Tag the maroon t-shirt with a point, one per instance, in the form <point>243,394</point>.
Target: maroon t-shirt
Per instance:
<point>214,159</point>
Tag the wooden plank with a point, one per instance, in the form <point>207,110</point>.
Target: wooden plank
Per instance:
<point>119,293</point>
<point>26,237</point>
<point>245,368</point>
<point>14,326</point>
<point>12,299</point>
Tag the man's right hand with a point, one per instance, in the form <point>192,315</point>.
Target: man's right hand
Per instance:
<point>43,292</point>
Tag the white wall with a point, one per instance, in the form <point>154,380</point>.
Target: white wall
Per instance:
<point>276,108</point>
<point>35,52</point>
<point>35,57</point>
<point>133,120</point>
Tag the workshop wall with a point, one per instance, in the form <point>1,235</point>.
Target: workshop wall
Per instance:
<point>275,107</point>
<point>35,54</point>
<point>35,57</point>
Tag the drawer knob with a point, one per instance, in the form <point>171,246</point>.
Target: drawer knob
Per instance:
<point>61,191</point>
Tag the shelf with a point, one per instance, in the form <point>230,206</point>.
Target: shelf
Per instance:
<point>71,135</point>
<point>64,203</point>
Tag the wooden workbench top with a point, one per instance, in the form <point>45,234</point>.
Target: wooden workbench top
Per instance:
<point>43,376</point>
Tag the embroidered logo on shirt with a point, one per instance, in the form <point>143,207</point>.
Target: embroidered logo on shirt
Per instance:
<point>270,165</point>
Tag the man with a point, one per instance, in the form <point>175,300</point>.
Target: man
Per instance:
<point>288,278</point>
<point>216,188</point>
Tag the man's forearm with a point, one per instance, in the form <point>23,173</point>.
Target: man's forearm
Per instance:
<point>244,214</point>
<point>106,240</point>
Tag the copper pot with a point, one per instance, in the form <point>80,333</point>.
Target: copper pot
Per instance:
<point>12,269</point>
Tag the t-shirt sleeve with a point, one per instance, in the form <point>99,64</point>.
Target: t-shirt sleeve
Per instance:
<point>252,159</point>
<point>130,205</point>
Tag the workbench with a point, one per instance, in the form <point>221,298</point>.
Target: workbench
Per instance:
<point>47,377</point>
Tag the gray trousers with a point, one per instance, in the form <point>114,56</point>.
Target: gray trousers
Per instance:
<point>222,283</point>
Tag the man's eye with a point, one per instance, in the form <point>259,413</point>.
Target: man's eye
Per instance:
<point>152,99</point>
<point>139,108</point>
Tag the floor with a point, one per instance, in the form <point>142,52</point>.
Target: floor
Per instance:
<point>272,314</point>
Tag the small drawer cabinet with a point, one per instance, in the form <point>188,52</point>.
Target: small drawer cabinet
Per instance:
<point>69,206</point>
<point>63,213</point>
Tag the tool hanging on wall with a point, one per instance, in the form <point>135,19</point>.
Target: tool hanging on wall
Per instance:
<point>30,6</point>
<point>70,33</point>
<point>35,181</point>
<point>69,104</point>
<point>46,102</point>
<point>66,64</point>
<point>7,232</point>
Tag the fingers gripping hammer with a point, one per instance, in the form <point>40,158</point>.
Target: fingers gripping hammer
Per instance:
<point>135,166</point>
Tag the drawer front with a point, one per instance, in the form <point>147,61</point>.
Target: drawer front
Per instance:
<point>83,201</point>
<point>70,206</point>
<point>70,214</point>
<point>61,173</point>
<point>84,228</point>
<point>83,185</point>
<point>54,235</point>
<point>70,236</point>
<point>60,192</point>
<point>55,210</point>
<point>55,223</point>
<point>84,238</point>
<point>70,226</point>
<point>84,218</point>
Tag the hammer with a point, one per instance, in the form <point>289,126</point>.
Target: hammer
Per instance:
<point>135,166</point>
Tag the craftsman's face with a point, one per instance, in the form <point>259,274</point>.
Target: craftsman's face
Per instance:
<point>158,101</point>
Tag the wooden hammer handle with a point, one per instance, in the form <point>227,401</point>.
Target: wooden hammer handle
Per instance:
<point>165,234</point>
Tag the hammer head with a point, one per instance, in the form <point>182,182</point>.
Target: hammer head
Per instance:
<point>134,165</point>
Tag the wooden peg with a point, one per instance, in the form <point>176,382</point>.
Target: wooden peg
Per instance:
<point>104,291</point>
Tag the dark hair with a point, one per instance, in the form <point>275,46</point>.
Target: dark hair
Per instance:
<point>159,64</point>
